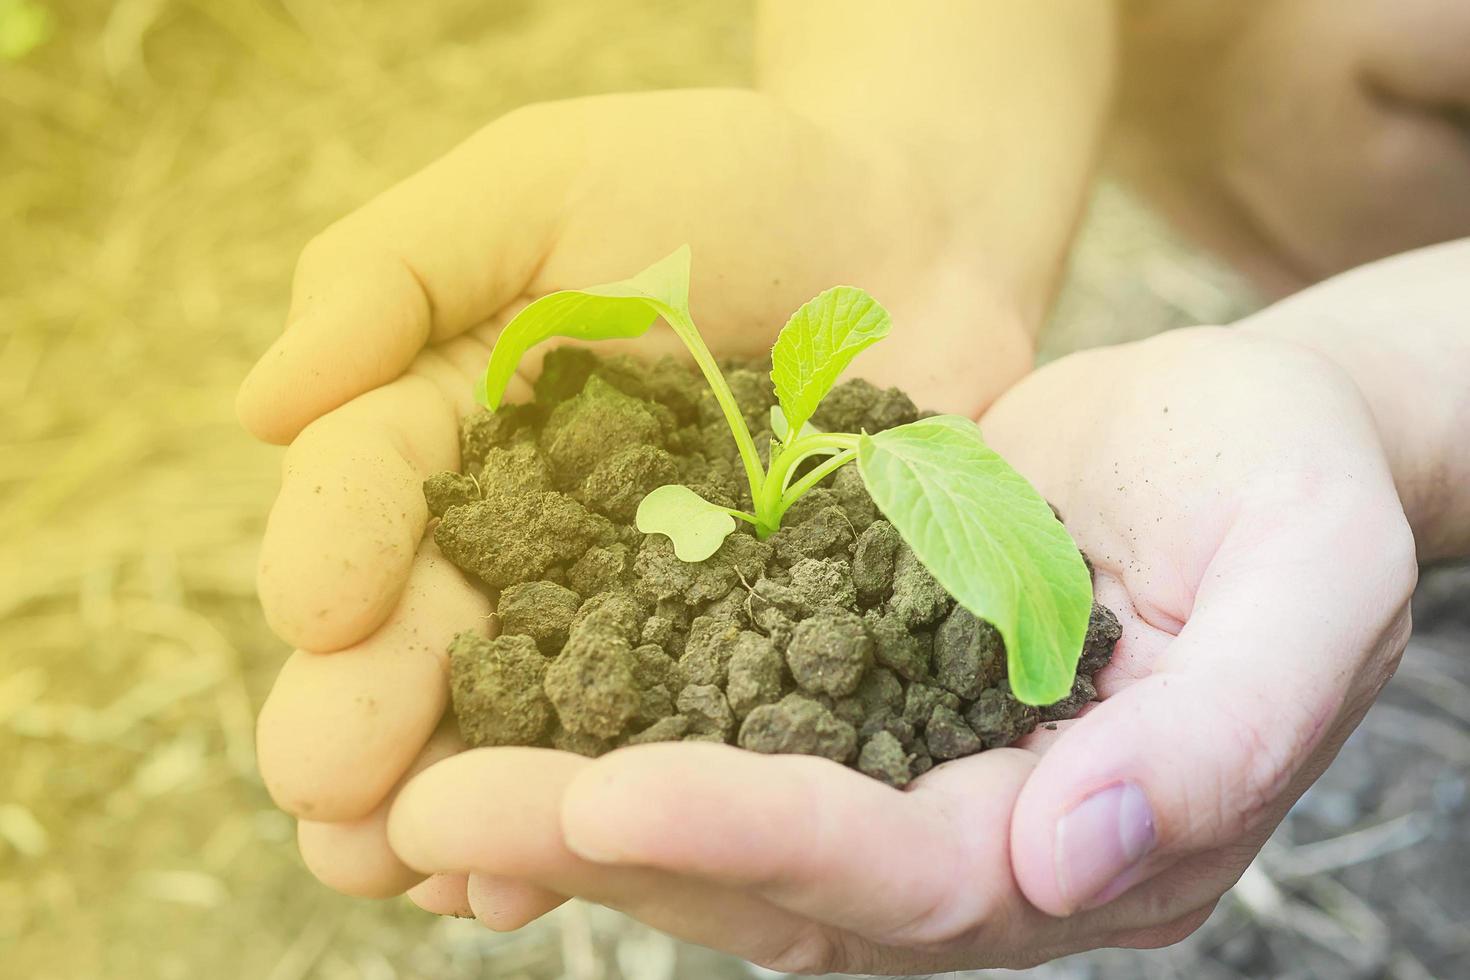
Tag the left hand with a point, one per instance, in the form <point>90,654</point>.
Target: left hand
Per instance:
<point>1235,500</point>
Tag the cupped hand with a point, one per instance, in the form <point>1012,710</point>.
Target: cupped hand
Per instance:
<point>1234,498</point>
<point>393,312</point>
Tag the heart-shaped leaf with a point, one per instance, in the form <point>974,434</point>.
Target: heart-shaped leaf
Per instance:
<point>818,343</point>
<point>696,526</point>
<point>991,540</point>
<point>616,309</point>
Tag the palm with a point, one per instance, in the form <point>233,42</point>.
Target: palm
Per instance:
<point>1258,494</point>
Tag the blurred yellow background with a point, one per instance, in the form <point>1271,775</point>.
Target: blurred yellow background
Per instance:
<point>161,164</point>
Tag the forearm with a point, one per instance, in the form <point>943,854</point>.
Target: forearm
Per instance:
<point>1401,329</point>
<point>999,106</point>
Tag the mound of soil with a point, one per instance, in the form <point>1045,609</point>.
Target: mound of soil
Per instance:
<point>829,638</point>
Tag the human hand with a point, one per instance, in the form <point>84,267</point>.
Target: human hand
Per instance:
<point>1234,498</point>
<point>777,208</point>
<point>1302,137</point>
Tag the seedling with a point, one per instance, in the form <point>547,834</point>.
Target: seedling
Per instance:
<point>985,534</point>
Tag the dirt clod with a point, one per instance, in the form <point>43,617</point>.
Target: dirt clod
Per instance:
<point>798,725</point>
<point>829,652</point>
<point>884,758</point>
<point>499,683</point>
<point>826,638</point>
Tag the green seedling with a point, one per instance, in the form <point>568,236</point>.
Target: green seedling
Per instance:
<point>980,528</point>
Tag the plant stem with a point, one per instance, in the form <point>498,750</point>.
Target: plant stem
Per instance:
<point>817,475</point>
<point>742,515</point>
<point>754,472</point>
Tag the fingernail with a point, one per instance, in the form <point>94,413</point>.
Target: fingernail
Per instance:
<point>1101,838</point>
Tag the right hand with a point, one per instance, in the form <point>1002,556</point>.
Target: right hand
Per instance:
<point>393,313</point>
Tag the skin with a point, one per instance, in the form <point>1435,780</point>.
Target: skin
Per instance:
<point>392,314</point>
<point>1223,702</point>
<point>1298,138</point>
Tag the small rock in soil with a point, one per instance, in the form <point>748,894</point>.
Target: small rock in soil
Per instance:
<point>884,759</point>
<point>516,539</point>
<point>600,570</point>
<point>798,725</point>
<point>853,495</point>
<point>818,582</point>
<point>597,421</point>
<point>708,712</point>
<point>1082,692</point>
<point>948,736</point>
<point>498,683</point>
<point>826,534</point>
<point>754,675</point>
<point>658,631</point>
<point>611,615</point>
<point>708,650</point>
<point>860,406</point>
<point>580,743</point>
<point>1000,719</point>
<point>873,562</point>
<point>921,699</point>
<point>670,729</point>
<point>482,431</point>
<point>619,482</point>
<point>564,371</point>
<point>969,655</point>
<point>918,601</point>
<point>1103,633</point>
<point>592,686</point>
<point>514,469</point>
<point>661,575</point>
<point>829,651</point>
<point>652,666</point>
<point>445,490</point>
<point>541,610</point>
<point>895,647</point>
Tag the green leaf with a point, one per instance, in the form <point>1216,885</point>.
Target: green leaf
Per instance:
<point>991,540</point>
<point>615,309</point>
<point>696,526</point>
<point>818,343</point>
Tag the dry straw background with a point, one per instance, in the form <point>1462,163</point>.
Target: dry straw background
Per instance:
<point>161,163</point>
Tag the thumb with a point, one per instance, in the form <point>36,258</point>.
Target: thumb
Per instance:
<point>1298,621</point>
<point>442,251</point>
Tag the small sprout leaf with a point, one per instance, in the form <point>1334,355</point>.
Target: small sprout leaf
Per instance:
<point>616,309</point>
<point>696,526</point>
<point>990,539</point>
<point>818,343</point>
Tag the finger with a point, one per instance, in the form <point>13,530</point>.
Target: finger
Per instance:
<point>443,895</point>
<point>338,730</point>
<point>496,812</point>
<point>1252,692</point>
<point>507,904</point>
<point>353,856</point>
<point>431,257</point>
<point>342,534</point>
<point>811,836</point>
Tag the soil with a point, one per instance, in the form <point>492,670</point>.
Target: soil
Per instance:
<point>829,638</point>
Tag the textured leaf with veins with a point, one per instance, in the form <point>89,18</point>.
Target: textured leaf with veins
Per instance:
<point>991,540</point>
<point>626,308</point>
<point>818,343</point>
